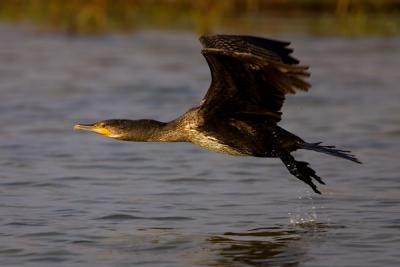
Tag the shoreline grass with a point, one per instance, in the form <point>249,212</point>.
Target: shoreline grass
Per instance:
<point>338,17</point>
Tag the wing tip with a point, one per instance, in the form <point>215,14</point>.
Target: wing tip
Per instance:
<point>203,39</point>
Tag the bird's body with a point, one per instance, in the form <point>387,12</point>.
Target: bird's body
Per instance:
<point>239,114</point>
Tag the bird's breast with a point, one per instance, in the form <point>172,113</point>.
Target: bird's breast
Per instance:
<point>211,143</point>
<point>190,125</point>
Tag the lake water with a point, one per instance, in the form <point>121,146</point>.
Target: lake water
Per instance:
<point>77,199</point>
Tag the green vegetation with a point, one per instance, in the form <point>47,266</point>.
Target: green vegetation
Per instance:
<point>344,17</point>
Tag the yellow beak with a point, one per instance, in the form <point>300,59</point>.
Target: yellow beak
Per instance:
<point>85,127</point>
<point>91,128</point>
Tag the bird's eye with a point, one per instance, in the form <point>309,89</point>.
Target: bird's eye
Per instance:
<point>102,124</point>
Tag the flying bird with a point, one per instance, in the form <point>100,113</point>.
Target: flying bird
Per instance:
<point>239,115</point>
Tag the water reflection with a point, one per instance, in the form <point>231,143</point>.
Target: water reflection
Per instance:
<point>273,246</point>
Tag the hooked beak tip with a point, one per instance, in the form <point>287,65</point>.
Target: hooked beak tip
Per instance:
<point>83,127</point>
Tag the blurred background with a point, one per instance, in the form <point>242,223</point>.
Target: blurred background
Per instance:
<point>344,17</point>
<point>76,199</point>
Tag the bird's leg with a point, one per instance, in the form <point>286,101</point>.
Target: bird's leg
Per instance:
<point>301,170</point>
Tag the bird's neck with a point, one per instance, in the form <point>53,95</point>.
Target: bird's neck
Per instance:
<point>152,131</point>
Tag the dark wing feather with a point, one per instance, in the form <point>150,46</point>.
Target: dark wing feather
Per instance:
<point>278,47</point>
<point>250,77</point>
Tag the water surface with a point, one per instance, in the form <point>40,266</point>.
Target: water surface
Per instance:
<point>75,199</point>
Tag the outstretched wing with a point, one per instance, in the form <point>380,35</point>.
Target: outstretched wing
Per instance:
<point>250,77</point>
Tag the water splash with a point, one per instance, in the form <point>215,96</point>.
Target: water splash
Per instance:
<point>305,213</point>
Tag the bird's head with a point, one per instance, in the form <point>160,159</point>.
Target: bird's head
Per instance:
<point>129,130</point>
<point>107,128</point>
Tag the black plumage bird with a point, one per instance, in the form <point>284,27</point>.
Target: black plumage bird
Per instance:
<point>241,110</point>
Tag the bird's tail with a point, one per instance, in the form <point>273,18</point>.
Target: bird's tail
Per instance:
<point>330,150</point>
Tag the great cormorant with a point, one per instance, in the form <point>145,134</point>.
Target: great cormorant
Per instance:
<point>240,112</point>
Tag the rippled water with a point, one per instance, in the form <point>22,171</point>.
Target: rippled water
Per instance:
<point>74,199</point>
